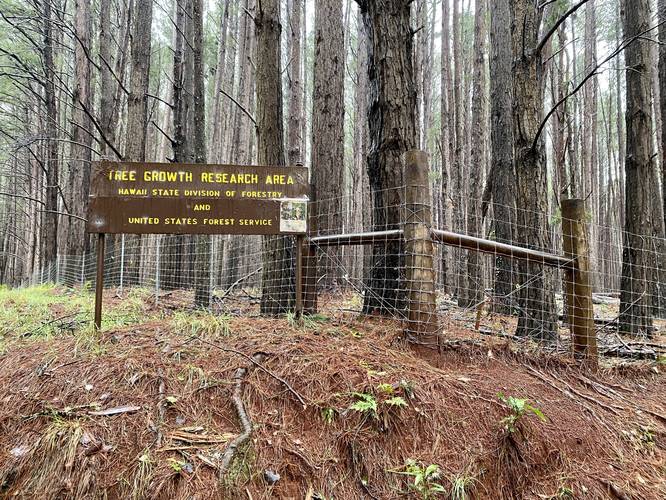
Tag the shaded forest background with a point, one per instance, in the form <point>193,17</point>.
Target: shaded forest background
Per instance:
<point>519,103</point>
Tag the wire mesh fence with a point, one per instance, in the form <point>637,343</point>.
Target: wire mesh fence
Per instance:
<point>472,282</point>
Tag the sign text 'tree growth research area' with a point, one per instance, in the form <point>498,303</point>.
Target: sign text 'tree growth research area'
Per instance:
<point>171,198</point>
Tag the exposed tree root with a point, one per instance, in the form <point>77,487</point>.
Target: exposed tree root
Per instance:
<point>246,423</point>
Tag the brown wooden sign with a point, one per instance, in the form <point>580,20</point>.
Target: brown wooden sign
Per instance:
<point>172,198</point>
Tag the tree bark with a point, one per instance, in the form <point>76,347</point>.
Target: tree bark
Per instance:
<point>590,165</point>
<point>475,288</point>
<point>447,132</point>
<point>538,314</point>
<point>327,160</point>
<point>295,137</point>
<point>277,275</point>
<point>216,138</point>
<point>79,165</point>
<point>202,293</point>
<point>135,141</point>
<point>361,202</point>
<point>502,178</point>
<point>50,228</point>
<point>135,149</point>
<point>392,126</point>
<point>638,259</point>
<point>661,18</point>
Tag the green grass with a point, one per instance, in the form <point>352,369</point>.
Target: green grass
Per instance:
<point>46,311</point>
<point>40,310</point>
<point>200,323</point>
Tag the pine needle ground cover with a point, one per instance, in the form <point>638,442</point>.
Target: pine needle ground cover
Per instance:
<point>168,402</point>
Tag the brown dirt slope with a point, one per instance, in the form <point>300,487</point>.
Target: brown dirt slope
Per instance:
<point>604,437</point>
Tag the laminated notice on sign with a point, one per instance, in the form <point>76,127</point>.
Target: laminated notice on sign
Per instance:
<point>293,215</point>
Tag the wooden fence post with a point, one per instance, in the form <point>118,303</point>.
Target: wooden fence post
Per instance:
<point>309,258</point>
<point>419,269</point>
<point>580,311</point>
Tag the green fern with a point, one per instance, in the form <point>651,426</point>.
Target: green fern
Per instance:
<point>366,403</point>
<point>396,401</point>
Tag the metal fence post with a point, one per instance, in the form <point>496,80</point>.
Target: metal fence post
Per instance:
<point>157,271</point>
<point>57,276</point>
<point>419,265</point>
<point>580,311</point>
<point>122,260</point>
<point>309,259</point>
<point>211,270</point>
<point>83,269</point>
<point>298,303</point>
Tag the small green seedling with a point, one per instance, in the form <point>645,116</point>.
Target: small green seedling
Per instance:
<point>328,414</point>
<point>386,388</point>
<point>396,402</point>
<point>425,479</point>
<point>460,486</point>
<point>519,408</point>
<point>564,492</point>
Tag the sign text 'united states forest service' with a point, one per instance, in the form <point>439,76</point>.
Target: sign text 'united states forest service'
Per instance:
<point>170,198</point>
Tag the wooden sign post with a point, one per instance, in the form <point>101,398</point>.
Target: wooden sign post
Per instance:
<point>173,198</point>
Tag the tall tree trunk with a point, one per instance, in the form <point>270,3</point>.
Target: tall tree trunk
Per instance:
<point>106,82</point>
<point>457,164</point>
<point>360,184</point>
<point>661,18</point>
<point>392,125</point>
<point>447,131</point>
<point>427,54</point>
<point>241,129</point>
<point>50,233</point>
<point>135,141</point>
<point>560,136</point>
<point>240,140</point>
<point>590,130</point>
<point>502,178</point>
<point>638,259</point>
<point>327,160</point>
<point>277,276</point>
<point>475,288</point>
<point>135,149</point>
<point>174,252</point>
<point>538,314</point>
<point>295,137</point>
<point>216,117</point>
<point>202,269</point>
<point>79,165</point>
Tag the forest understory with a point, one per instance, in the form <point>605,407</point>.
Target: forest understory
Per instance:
<point>339,406</point>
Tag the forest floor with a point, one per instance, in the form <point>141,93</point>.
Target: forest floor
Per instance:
<point>340,408</point>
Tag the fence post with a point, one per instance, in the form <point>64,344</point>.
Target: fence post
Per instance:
<point>157,271</point>
<point>83,269</point>
<point>298,303</point>
<point>211,269</point>
<point>580,311</point>
<point>419,269</point>
<point>57,276</point>
<point>309,259</point>
<point>122,260</point>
